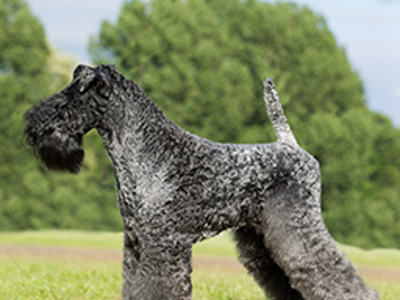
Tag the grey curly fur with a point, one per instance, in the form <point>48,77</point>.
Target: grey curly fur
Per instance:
<point>176,189</point>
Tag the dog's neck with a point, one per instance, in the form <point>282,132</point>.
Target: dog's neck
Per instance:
<point>136,128</point>
<point>139,138</point>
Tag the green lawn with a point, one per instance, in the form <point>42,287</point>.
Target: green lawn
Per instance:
<point>61,280</point>
<point>101,240</point>
<point>29,278</point>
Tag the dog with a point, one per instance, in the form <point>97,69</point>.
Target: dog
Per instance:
<point>176,189</point>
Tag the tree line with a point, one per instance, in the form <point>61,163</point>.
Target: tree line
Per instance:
<point>203,63</point>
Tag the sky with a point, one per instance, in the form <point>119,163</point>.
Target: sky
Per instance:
<point>369,31</point>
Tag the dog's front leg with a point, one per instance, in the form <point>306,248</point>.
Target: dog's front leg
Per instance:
<point>156,267</point>
<point>131,252</point>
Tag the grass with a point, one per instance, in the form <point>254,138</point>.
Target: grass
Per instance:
<point>218,246</point>
<point>30,278</point>
<point>223,286</point>
<point>82,239</point>
<point>61,280</point>
<point>372,258</point>
<point>27,279</point>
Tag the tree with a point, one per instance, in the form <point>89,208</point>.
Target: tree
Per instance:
<point>207,57</point>
<point>30,197</point>
<point>203,62</point>
<point>23,59</point>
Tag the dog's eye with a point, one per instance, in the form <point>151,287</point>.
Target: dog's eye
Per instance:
<point>74,102</point>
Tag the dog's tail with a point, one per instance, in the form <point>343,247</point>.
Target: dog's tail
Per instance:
<point>276,114</point>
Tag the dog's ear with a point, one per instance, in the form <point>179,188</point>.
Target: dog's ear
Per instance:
<point>87,78</point>
<point>82,71</point>
<point>103,85</point>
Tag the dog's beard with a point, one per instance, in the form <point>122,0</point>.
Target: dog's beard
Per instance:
<point>61,154</point>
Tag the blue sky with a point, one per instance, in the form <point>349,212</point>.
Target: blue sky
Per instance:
<point>369,30</point>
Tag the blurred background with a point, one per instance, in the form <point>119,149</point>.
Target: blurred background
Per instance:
<point>335,64</point>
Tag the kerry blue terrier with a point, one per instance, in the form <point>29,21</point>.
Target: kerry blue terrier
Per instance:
<point>176,189</point>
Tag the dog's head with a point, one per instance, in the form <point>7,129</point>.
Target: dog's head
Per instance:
<point>55,127</point>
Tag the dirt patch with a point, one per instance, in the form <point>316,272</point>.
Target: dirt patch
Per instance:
<point>380,274</point>
<point>372,274</point>
<point>59,253</point>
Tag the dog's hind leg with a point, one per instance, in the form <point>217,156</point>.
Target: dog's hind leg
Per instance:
<point>300,244</point>
<point>255,257</point>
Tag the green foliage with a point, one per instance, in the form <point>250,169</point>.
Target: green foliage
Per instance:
<point>22,40</point>
<point>203,62</point>
<point>30,197</point>
<point>50,200</point>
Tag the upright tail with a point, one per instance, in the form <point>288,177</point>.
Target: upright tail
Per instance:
<point>276,114</point>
